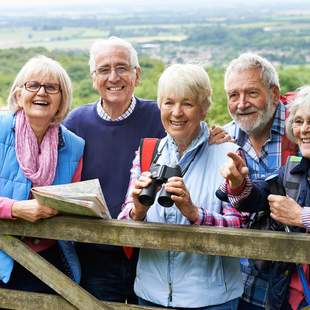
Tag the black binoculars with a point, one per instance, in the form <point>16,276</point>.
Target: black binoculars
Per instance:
<point>160,175</point>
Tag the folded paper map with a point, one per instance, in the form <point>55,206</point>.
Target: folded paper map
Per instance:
<point>80,198</point>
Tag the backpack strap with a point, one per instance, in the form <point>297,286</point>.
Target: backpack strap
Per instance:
<point>303,280</point>
<point>148,150</point>
<point>288,97</point>
<point>291,182</point>
<point>288,147</point>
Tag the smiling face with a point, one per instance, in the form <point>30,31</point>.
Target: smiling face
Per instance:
<point>116,87</point>
<point>39,106</point>
<point>181,117</point>
<point>250,102</point>
<point>301,130</point>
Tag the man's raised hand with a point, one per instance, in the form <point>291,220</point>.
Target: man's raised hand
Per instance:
<point>235,170</point>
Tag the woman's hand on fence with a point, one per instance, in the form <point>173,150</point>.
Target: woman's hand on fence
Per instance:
<point>285,210</point>
<point>235,170</point>
<point>182,198</point>
<point>31,210</point>
<point>138,212</point>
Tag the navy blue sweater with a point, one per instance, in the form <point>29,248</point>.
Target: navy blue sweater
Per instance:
<point>110,146</point>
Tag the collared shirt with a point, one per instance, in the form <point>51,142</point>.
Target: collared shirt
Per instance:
<point>256,283</point>
<point>270,158</point>
<point>104,115</point>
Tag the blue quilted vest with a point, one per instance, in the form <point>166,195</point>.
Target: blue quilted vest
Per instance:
<point>14,184</point>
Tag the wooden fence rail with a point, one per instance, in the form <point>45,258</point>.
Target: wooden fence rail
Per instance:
<point>281,246</point>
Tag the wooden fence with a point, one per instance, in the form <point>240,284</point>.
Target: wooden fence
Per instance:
<point>279,246</point>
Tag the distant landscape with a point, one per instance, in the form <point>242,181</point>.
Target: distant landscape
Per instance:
<point>208,37</point>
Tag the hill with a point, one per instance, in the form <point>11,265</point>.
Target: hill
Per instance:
<point>76,64</point>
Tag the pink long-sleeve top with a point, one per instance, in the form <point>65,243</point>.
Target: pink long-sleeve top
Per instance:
<point>6,214</point>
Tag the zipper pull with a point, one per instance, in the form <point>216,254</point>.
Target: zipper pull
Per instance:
<point>170,292</point>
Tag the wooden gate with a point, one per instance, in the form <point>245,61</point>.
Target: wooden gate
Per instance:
<point>279,246</point>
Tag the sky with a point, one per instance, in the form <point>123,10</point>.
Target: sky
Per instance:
<point>193,3</point>
<point>29,7</point>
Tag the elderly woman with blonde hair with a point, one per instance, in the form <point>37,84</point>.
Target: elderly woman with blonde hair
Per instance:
<point>35,150</point>
<point>177,279</point>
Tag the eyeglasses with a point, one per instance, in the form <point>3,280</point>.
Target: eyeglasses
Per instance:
<point>299,122</point>
<point>120,70</point>
<point>50,88</point>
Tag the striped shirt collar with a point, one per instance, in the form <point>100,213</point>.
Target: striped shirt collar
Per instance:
<point>104,115</point>
<point>278,126</point>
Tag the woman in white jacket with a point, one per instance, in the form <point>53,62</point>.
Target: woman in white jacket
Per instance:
<point>178,279</point>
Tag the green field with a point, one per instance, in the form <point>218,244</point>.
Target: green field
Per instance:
<point>283,36</point>
<point>161,38</point>
<point>65,38</point>
<point>72,38</point>
<point>76,64</point>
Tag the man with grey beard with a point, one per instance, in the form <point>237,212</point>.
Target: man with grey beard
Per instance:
<point>258,127</point>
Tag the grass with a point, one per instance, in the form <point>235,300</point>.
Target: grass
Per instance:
<point>65,38</point>
<point>70,38</point>
<point>82,37</point>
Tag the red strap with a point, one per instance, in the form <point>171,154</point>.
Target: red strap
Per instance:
<point>287,97</point>
<point>288,147</point>
<point>128,250</point>
<point>147,149</point>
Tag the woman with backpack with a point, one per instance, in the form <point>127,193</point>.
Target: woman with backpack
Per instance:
<point>178,188</point>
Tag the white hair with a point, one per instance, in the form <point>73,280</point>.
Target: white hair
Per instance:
<point>302,100</point>
<point>99,45</point>
<point>248,61</point>
<point>186,79</point>
<point>46,66</point>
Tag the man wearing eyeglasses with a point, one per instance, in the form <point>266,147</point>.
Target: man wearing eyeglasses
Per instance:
<point>112,128</point>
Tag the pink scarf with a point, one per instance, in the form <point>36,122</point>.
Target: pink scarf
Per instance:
<point>37,162</point>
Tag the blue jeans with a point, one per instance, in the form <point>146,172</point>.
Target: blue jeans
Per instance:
<point>229,305</point>
<point>107,273</point>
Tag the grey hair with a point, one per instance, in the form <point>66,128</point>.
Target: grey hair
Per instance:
<point>48,67</point>
<point>186,79</point>
<point>99,45</point>
<point>248,61</point>
<point>302,100</point>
